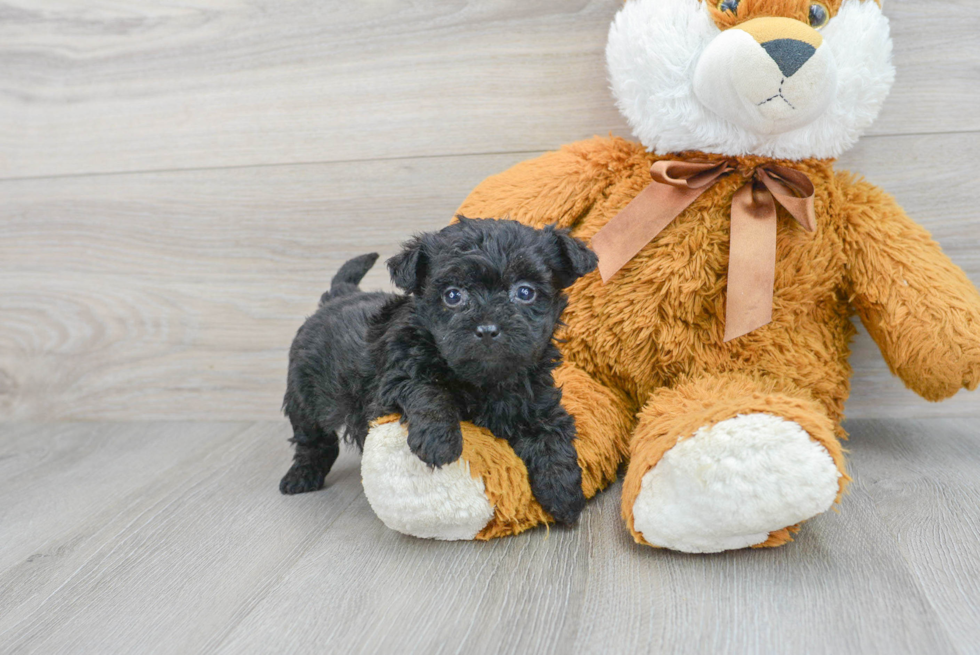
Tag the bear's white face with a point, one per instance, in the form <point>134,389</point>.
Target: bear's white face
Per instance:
<point>750,77</point>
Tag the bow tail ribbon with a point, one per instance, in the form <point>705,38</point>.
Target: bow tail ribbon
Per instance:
<point>752,251</point>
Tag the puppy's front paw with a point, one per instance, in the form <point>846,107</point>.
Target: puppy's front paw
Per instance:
<point>436,444</point>
<point>302,478</point>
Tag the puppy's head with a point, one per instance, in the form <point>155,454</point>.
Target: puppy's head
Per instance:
<point>490,292</point>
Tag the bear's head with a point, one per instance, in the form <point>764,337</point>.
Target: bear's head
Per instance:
<point>788,79</point>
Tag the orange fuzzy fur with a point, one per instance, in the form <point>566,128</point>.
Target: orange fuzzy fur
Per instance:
<point>749,9</point>
<point>646,363</point>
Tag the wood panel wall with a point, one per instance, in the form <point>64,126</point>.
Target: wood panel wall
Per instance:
<point>179,180</point>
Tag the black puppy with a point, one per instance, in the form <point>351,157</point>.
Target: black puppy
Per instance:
<point>471,340</point>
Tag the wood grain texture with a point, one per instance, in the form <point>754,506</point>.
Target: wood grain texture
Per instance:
<point>176,295</point>
<point>170,563</point>
<point>128,86</point>
<point>196,551</point>
<point>926,488</point>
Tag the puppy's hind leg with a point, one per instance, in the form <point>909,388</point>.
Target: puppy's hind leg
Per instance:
<point>316,451</point>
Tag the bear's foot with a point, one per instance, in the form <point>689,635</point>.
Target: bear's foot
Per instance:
<point>447,503</point>
<point>486,493</point>
<point>732,484</point>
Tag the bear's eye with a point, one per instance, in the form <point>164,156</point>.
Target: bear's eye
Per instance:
<point>728,5</point>
<point>525,293</point>
<point>452,297</point>
<point>818,15</point>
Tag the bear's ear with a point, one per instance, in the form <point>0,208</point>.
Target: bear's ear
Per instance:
<point>409,267</point>
<point>574,258</point>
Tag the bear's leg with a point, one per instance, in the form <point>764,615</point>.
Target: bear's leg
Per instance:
<point>727,462</point>
<point>486,493</point>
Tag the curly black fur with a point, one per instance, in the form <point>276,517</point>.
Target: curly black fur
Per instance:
<point>465,343</point>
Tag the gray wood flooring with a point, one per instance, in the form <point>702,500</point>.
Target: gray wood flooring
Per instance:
<point>173,538</point>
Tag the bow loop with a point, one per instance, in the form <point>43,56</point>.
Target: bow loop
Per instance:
<point>688,174</point>
<point>676,184</point>
<point>752,253</point>
<point>791,189</point>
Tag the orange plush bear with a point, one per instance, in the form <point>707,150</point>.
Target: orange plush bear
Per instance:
<point>710,354</point>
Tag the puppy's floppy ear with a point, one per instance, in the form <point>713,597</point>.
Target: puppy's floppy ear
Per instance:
<point>409,267</point>
<point>574,257</point>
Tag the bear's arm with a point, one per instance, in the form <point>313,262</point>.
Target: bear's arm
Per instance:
<point>918,306</point>
<point>557,187</point>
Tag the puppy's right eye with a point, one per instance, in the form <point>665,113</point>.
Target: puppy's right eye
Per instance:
<point>452,297</point>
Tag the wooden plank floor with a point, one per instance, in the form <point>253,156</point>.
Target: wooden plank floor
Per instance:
<point>173,538</point>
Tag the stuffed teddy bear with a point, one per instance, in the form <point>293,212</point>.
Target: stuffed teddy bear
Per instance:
<point>709,353</point>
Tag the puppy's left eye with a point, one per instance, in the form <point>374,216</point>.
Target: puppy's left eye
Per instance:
<point>525,293</point>
<point>452,297</point>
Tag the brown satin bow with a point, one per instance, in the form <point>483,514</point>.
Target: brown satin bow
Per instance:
<point>752,258</point>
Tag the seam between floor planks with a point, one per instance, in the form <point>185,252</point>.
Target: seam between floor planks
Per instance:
<point>299,164</point>
<point>370,160</point>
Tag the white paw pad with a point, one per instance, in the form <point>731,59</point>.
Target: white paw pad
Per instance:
<point>409,497</point>
<point>730,485</point>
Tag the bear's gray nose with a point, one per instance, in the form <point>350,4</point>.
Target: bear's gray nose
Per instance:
<point>789,54</point>
<point>487,332</point>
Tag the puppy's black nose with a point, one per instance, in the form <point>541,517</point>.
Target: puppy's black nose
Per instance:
<point>487,332</point>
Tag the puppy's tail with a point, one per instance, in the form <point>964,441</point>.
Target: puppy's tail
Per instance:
<point>349,276</point>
